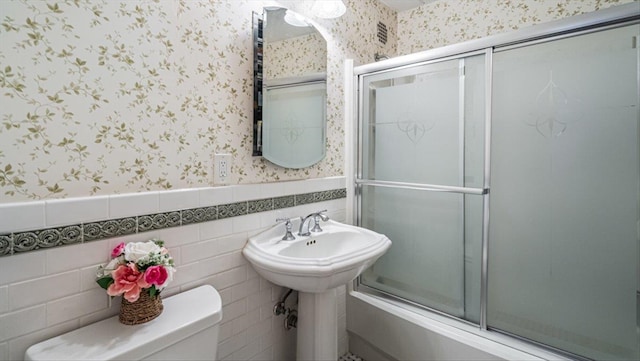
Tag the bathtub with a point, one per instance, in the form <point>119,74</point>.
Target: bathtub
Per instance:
<point>385,329</point>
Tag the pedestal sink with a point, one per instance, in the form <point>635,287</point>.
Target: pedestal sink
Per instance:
<point>315,266</point>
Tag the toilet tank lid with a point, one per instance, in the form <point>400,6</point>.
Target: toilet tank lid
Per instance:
<point>184,315</point>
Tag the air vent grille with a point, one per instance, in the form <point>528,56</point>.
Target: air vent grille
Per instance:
<point>382,32</point>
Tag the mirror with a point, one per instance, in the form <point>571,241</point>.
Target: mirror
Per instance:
<point>290,89</point>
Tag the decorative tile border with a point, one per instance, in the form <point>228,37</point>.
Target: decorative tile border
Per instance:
<point>46,238</point>
<point>21,242</point>
<point>284,202</point>
<point>6,246</point>
<point>232,210</point>
<point>260,205</point>
<point>197,215</point>
<point>109,228</point>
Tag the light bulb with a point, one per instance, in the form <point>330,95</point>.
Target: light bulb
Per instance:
<point>329,9</point>
<point>294,19</point>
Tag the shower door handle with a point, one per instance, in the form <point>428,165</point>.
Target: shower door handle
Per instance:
<point>420,186</point>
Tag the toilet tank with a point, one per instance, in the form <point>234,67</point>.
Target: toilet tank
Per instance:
<point>187,329</point>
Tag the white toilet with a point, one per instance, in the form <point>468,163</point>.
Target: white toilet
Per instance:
<point>187,329</point>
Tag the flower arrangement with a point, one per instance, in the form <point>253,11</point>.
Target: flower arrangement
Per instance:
<point>137,267</point>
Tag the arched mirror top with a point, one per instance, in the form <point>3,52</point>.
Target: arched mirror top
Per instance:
<point>291,50</point>
<point>290,65</point>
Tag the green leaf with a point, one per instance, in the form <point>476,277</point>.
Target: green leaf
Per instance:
<point>54,98</point>
<point>153,291</point>
<point>55,188</point>
<point>158,242</point>
<point>104,282</point>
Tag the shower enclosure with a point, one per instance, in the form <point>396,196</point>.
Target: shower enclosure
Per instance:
<point>506,172</point>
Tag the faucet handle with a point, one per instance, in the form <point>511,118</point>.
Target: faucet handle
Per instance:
<point>321,215</point>
<point>316,220</point>
<point>288,236</point>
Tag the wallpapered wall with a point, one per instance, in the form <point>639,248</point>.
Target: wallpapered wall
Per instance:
<point>102,97</point>
<point>446,22</point>
<point>302,55</point>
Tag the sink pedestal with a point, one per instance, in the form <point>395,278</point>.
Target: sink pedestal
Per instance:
<point>317,325</point>
<point>316,265</point>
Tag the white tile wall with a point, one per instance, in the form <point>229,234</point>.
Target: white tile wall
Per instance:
<point>264,355</point>
<point>61,259</point>
<point>22,322</point>
<point>199,251</point>
<point>215,195</point>
<point>48,292</point>
<point>60,212</point>
<point>215,229</point>
<point>178,236</point>
<point>232,243</point>
<point>4,299</point>
<point>128,205</point>
<point>72,307</point>
<point>63,284</point>
<point>250,222</point>
<point>270,190</point>
<point>22,216</point>
<point>24,267</point>
<point>245,353</point>
<point>4,351</point>
<point>88,278</point>
<point>179,199</point>
<point>245,193</point>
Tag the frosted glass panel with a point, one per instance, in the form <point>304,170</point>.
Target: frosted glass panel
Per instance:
<point>425,125</point>
<point>294,126</point>
<point>421,123</point>
<point>563,248</point>
<point>426,263</point>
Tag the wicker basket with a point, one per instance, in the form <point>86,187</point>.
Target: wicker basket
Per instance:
<point>145,309</point>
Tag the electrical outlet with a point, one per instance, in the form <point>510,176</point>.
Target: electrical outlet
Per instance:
<point>221,168</point>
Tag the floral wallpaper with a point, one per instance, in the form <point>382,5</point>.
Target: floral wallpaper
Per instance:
<point>108,96</point>
<point>302,55</point>
<point>445,22</point>
<point>118,96</point>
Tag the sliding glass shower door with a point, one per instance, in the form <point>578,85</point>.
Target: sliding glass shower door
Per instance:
<point>565,178</point>
<point>540,239</point>
<point>422,180</point>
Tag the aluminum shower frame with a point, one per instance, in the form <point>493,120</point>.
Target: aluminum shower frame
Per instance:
<point>577,25</point>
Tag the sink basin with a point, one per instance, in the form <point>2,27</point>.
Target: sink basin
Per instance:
<point>318,262</point>
<point>315,266</point>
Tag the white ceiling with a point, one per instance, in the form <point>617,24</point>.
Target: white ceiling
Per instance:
<point>402,5</point>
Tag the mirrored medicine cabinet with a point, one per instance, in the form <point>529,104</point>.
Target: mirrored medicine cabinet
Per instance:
<point>289,89</point>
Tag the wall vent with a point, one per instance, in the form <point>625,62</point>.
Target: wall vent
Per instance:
<point>382,32</point>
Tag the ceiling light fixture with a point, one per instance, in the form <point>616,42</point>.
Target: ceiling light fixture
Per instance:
<point>328,9</point>
<point>294,19</point>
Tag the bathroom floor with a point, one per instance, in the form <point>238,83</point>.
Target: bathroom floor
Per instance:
<point>350,357</point>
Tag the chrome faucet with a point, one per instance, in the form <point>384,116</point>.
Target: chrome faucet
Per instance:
<point>316,216</point>
<point>288,236</point>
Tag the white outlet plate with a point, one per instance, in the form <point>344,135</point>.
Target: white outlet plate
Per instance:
<point>221,168</point>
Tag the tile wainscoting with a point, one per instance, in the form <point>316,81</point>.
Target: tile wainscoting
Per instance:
<point>51,251</point>
<point>25,241</point>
